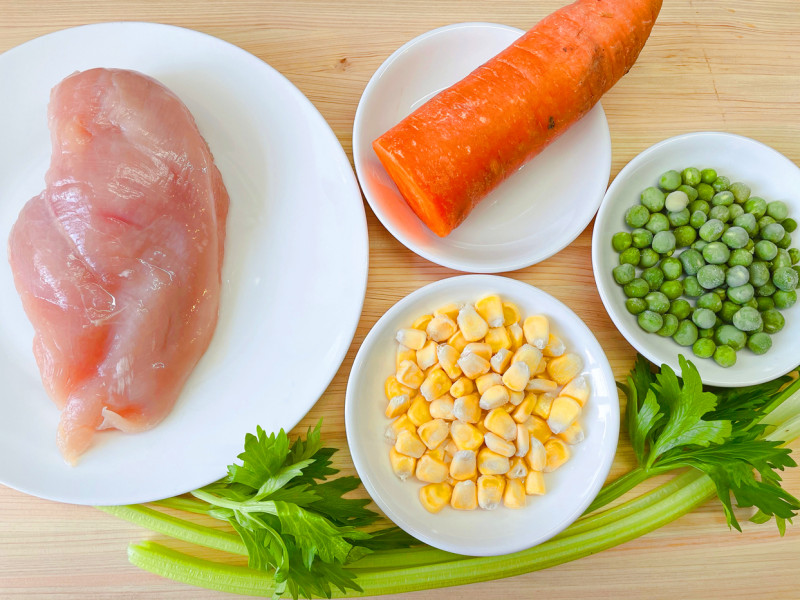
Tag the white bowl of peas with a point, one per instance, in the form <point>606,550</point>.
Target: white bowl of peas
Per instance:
<point>695,252</point>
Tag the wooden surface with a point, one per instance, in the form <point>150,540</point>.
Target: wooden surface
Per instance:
<point>709,65</point>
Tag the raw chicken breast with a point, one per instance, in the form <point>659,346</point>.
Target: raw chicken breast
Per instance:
<point>118,260</point>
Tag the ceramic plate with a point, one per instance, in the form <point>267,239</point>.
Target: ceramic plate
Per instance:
<point>296,254</point>
<point>533,214</point>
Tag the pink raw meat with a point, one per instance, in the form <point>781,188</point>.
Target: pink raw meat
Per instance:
<point>118,260</point>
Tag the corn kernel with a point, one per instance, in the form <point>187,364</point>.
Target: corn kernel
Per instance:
<point>578,389</point>
<point>494,397</point>
<point>525,408</point>
<point>515,399</point>
<point>484,382</point>
<point>457,341</point>
<point>542,367</point>
<point>573,434</point>
<point>471,324</point>
<point>473,365</point>
<point>543,405</point>
<point>401,423</point>
<point>490,491</point>
<point>492,463</point>
<point>436,384</point>
<point>438,453</point>
<point>412,338</point>
<point>538,428</point>
<point>393,388</point>
<point>500,360</point>
<point>557,454</point>
<point>499,422</point>
<point>463,386</point>
<point>555,346</point>
<point>523,440</point>
<point>537,330</point>
<point>518,468</point>
<point>540,386</point>
<point>529,355</point>
<point>467,408</point>
<point>422,322</point>
<point>516,335</point>
<point>409,444</point>
<point>448,310</point>
<point>433,432</point>
<point>409,374</point>
<point>481,427</point>
<point>435,496</point>
<point>498,339</point>
<point>564,368</point>
<point>402,465</point>
<point>465,495</point>
<point>442,408</point>
<point>427,356</point>
<point>466,436</point>
<point>397,406</point>
<point>511,313</point>
<point>498,445</point>
<point>404,354</point>
<point>480,348</point>
<point>448,360</point>
<point>514,494</point>
<point>534,483</point>
<point>564,412</point>
<point>464,465</point>
<point>450,450</point>
<point>516,376</point>
<point>441,328</point>
<point>430,470</point>
<point>537,455</point>
<point>490,309</point>
<point>419,412</point>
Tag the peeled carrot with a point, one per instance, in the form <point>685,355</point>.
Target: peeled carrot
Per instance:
<point>453,150</point>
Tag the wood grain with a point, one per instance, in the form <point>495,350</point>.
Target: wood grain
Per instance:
<point>709,65</point>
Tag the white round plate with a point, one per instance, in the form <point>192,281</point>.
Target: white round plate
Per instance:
<point>769,175</point>
<point>570,489</point>
<point>533,214</point>
<point>295,263</point>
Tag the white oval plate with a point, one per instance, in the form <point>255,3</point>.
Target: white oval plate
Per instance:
<point>570,489</point>
<point>533,214</point>
<point>768,173</point>
<point>296,253</point>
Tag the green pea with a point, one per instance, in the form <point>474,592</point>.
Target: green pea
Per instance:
<point>764,303</point>
<point>741,294</point>
<point>797,269</point>
<point>635,305</point>
<point>684,236</point>
<point>721,292</point>
<point>686,334</point>
<point>727,311</point>
<point>756,206</point>
<point>740,191</point>
<point>721,184</point>
<point>725,356</point>
<point>650,321</point>
<point>789,225</point>
<point>750,246</point>
<point>768,289</point>
<point>680,308</point>
<point>710,301</point>
<point>794,255</point>
<point>708,176</point>
<point>716,253</point>
<point>785,242</point>
<point>703,334</point>
<point>777,210</point>
<point>691,176</point>
<point>637,288</point>
<point>740,257</point>
<point>692,261</point>
<point>702,205</point>
<point>653,199</point>
<point>720,213</point>
<point>773,232</point>
<point>669,327</point>
<point>764,221</point>
<point>704,348</point>
<point>722,199</point>
<point>621,241</point>
<point>697,219</point>
<point>766,250</point>
<point>735,237</point>
<point>691,287</point>
<point>784,300</point>
<point>785,279</point>
<point>672,268</point>
<point>710,276</point>
<point>752,303</point>
<point>641,238</point>
<point>672,289</point>
<point>657,222</point>
<point>657,302</point>
<point>747,319</point>
<point>649,258</point>
<point>711,230</point>
<point>747,222</point>
<point>782,259</point>
<point>631,256</point>
<point>654,277</point>
<point>759,273</point>
<point>690,192</point>
<point>704,318</point>
<point>624,273</point>
<point>705,192</point>
<point>679,218</point>
<point>663,242</point>
<point>759,343</point>
<point>699,245</point>
<point>736,276</point>
<point>637,216</point>
<point>730,336</point>
<point>676,201</point>
<point>670,180</point>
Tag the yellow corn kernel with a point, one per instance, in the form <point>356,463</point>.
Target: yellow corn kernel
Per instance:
<point>435,496</point>
<point>523,441</point>
<point>401,423</point>
<point>471,324</point>
<point>463,386</point>
<point>516,376</point>
<point>481,427</point>
<point>448,310</point>
<point>515,399</point>
<point>409,444</point>
<point>490,491</point>
<point>465,495</point>
<point>539,385</point>
<point>573,434</point>
<point>484,382</point>
<point>450,450</point>
<point>500,360</point>
<point>542,367</point>
<point>534,483</point>
<point>537,331</point>
<point>430,470</point>
<point>518,468</point>
<point>438,453</point>
<point>498,445</point>
<point>433,432</point>
<point>442,408</point>
<point>564,412</point>
<point>525,408</point>
<point>516,335</point>
<point>409,374</point>
<point>436,384</point>
<point>393,388</point>
<point>457,341</point>
<point>557,454</point>
<point>473,365</point>
<point>422,322</point>
<point>480,348</point>
<point>448,360</point>
<point>511,313</point>
<point>467,408</point>
<point>419,411</point>
<point>492,463</point>
<point>577,389</point>
<point>543,405</point>
<point>499,422</point>
<point>530,356</point>
<point>538,428</point>
<point>463,465</point>
<point>441,328</point>
<point>466,436</point>
<point>490,309</point>
<point>397,406</point>
<point>564,368</point>
<point>537,455</point>
<point>404,354</point>
<point>514,494</point>
<point>494,397</point>
<point>498,339</point>
<point>555,347</point>
<point>426,357</point>
<point>412,338</point>
<point>402,465</point>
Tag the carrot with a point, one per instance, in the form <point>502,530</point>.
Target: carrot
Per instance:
<point>453,150</point>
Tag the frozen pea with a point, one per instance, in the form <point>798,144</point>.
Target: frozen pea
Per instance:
<point>711,230</point>
<point>654,277</point>
<point>785,242</point>
<point>797,269</point>
<point>686,334</point>
<point>684,236</point>
<point>650,321</point>
<point>704,318</point>
<point>637,216</point>
<point>680,308</point>
<point>704,334</point>
<point>768,289</point>
<point>759,273</point>
<point>740,191</point>
<point>672,289</point>
<point>663,242</point>
<point>705,192</point>
<point>721,184</point>
<point>699,245</point>
<point>679,218</point>
<point>657,302</point>
<point>653,199</point>
<point>637,288</point>
<point>727,311</point>
<point>735,237</point>
<point>735,211</point>
<point>789,225</point>
<point>692,261</point>
<point>701,205</point>
<point>741,294</point>
<point>716,253</point>
<point>747,222</point>
<point>730,336</point>
<point>691,287</point>
<point>669,327</point>
<point>649,258</point>
<point>710,276</point>
<point>736,276</point>
<point>725,356</point>
<point>740,258</point>
<point>624,273</point>
<point>698,218</point>
<point>691,176</point>
<point>641,238</point>
<point>710,301</point>
<point>756,206</point>
<point>750,245</point>
<point>704,348</point>
<point>720,213</point>
<point>784,300</point>
<point>631,256</point>
<point>708,176</point>
<point>766,250</point>
<point>773,232</point>
<point>752,303</point>
<point>763,222</point>
<point>777,210</point>
<point>764,303</point>
<point>676,201</point>
<point>672,268</point>
<point>691,193</point>
<point>722,199</point>
<point>782,259</point>
<point>657,222</point>
<point>747,319</point>
<point>635,305</point>
<point>785,278</point>
<point>794,255</point>
<point>759,343</point>
<point>670,180</point>
<point>621,241</point>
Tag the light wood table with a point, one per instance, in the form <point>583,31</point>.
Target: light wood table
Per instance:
<point>711,65</point>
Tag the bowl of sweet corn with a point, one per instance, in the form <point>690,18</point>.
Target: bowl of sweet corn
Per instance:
<point>481,415</point>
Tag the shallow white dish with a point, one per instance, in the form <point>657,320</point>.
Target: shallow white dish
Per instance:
<point>296,253</point>
<point>768,173</point>
<point>570,489</point>
<point>533,214</point>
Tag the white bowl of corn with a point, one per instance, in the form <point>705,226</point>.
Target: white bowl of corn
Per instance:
<point>482,415</point>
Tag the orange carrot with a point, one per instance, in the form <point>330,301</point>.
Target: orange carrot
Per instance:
<point>452,151</point>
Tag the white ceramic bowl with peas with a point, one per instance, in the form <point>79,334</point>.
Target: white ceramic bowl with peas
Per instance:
<point>718,287</point>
